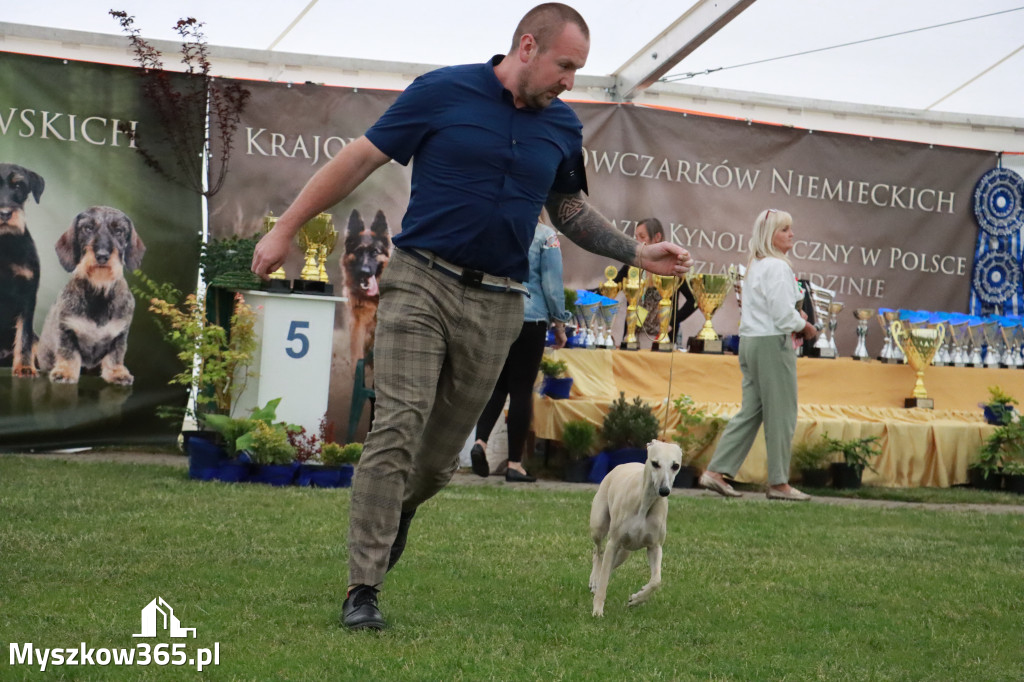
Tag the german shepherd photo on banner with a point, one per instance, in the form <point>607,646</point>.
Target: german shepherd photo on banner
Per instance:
<point>367,250</point>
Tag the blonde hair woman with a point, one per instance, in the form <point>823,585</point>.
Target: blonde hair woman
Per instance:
<point>767,359</point>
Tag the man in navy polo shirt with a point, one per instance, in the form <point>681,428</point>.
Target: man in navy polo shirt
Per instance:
<point>492,144</point>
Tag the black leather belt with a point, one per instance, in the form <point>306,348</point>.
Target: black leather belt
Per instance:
<point>471,278</point>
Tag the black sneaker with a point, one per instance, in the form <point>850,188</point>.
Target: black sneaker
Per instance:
<point>398,546</point>
<point>360,612</point>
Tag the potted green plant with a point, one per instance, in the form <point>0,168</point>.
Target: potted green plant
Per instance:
<point>578,437</point>
<point>272,456</point>
<point>1000,407</point>
<point>556,384</point>
<point>1000,461</point>
<point>812,458</point>
<point>695,430</point>
<point>857,455</point>
<point>627,429</point>
<point>247,440</point>
<point>342,459</point>
<point>215,359</point>
<point>570,307</point>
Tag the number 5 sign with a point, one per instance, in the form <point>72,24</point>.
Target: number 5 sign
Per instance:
<point>293,360</point>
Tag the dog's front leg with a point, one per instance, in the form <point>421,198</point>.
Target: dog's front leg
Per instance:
<point>654,559</point>
<point>67,365</point>
<point>611,550</point>
<point>112,367</point>
<point>22,365</point>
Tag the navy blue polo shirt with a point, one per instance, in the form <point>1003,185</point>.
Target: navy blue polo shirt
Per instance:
<point>482,168</point>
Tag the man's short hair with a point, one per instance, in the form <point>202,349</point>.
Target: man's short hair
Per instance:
<point>545,22</point>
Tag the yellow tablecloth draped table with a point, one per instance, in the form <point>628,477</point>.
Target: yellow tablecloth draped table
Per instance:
<point>843,397</point>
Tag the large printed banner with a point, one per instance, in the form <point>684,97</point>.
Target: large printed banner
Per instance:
<point>79,210</point>
<point>880,222</point>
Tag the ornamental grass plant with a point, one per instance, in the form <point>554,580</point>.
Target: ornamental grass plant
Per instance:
<point>805,592</point>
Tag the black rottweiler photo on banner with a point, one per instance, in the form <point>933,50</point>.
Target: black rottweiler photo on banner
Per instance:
<point>881,222</point>
<point>81,362</point>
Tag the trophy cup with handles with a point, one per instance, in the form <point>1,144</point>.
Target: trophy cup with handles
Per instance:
<point>822,299</point>
<point>919,345</point>
<point>666,285</point>
<point>709,292</point>
<point>634,287</point>
<point>317,239</point>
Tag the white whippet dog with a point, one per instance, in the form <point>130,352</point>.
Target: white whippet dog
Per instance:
<point>630,510</point>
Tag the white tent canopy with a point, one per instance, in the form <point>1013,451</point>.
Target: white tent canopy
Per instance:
<point>927,64</point>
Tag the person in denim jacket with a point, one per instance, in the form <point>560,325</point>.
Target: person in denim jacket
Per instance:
<point>544,307</point>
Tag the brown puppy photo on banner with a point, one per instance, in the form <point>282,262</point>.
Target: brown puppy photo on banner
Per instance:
<point>87,327</point>
<point>19,268</point>
<point>367,251</point>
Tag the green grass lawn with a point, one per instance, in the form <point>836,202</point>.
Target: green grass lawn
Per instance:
<point>493,585</point>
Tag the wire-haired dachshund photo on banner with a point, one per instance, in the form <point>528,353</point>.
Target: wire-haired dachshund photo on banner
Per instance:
<point>87,327</point>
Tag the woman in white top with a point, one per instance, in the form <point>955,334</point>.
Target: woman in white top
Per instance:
<point>768,318</point>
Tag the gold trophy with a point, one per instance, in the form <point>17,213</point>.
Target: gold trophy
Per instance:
<point>919,345</point>
<point>278,281</point>
<point>317,239</point>
<point>634,287</point>
<point>862,315</point>
<point>709,292</point>
<point>666,286</point>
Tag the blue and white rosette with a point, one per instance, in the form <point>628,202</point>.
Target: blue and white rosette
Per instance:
<point>999,202</point>
<point>998,275</point>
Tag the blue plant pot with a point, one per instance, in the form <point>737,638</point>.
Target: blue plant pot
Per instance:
<point>998,414</point>
<point>325,476</point>
<point>232,471</point>
<point>556,388</point>
<point>274,474</point>
<point>605,461</point>
<point>204,456</point>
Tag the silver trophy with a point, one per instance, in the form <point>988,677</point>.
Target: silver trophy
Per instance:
<point>891,352</point>
<point>993,332</point>
<point>976,330</point>
<point>957,328</point>
<point>862,315</point>
<point>833,321</point>
<point>608,311</point>
<point>1009,333</point>
<point>822,299</point>
<point>590,317</point>
<point>1018,342</point>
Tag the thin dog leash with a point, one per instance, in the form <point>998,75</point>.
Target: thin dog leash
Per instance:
<point>672,360</point>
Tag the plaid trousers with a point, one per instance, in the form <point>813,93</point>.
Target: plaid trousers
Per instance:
<point>439,348</point>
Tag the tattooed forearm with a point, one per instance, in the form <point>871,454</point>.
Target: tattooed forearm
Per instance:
<point>582,223</point>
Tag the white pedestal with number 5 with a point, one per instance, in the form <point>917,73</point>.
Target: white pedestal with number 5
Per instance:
<point>294,333</point>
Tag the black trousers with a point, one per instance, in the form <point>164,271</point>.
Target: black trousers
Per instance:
<point>516,383</point>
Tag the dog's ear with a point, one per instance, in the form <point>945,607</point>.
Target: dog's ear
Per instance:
<point>355,222</point>
<point>35,183</point>
<point>380,226</point>
<point>67,247</point>
<point>136,249</point>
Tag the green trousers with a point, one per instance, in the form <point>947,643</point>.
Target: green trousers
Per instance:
<point>768,364</point>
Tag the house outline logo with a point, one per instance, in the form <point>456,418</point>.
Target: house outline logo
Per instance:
<point>169,621</point>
